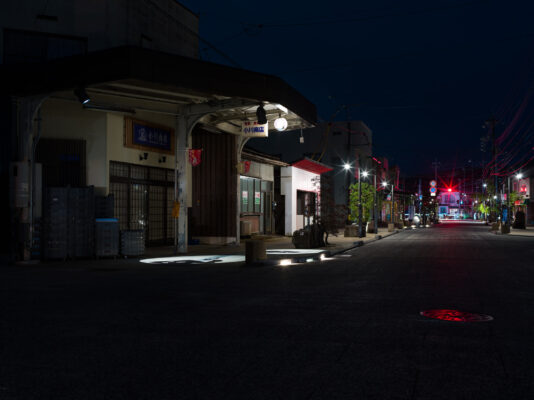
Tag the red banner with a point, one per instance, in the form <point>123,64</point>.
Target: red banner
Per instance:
<point>195,156</point>
<point>246,166</point>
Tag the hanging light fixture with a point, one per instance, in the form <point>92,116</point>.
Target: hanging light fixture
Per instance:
<point>280,123</point>
<point>261,115</point>
<point>82,96</point>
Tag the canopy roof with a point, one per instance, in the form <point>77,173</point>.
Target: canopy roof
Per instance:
<point>170,80</point>
<point>310,165</point>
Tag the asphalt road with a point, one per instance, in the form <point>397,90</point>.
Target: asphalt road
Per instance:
<point>339,329</point>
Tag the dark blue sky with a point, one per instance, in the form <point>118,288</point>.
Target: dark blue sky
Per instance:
<point>422,75</point>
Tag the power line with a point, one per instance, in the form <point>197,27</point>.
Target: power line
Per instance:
<point>359,61</point>
<point>371,17</point>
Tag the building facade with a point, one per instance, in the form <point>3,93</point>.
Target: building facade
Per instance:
<point>127,120</point>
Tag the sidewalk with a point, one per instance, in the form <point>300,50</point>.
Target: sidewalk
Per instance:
<point>529,232</point>
<point>337,244</point>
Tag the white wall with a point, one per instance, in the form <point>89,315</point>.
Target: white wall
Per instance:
<point>117,152</point>
<point>261,171</point>
<point>68,120</point>
<point>104,136</point>
<point>293,179</point>
<point>171,27</point>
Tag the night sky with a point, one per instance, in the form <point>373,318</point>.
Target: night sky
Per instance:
<point>424,76</point>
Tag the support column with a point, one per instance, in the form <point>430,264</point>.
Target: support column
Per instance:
<point>240,143</point>
<point>26,113</point>
<point>184,126</point>
<point>180,183</point>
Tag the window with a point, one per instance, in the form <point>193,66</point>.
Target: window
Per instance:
<point>305,203</point>
<point>27,46</point>
<point>251,194</point>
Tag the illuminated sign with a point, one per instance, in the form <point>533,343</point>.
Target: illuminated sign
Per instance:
<point>147,136</point>
<point>522,186</point>
<point>254,129</point>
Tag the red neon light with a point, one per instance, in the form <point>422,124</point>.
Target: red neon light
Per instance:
<point>449,190</point>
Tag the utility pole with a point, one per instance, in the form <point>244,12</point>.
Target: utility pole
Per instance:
<point>436,164</point>
<point>375,204</point>
<point>360,230</point>
<point>491,122</point>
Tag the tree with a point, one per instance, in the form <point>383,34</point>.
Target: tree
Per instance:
<point>332,216</point>
<point>368,193</point>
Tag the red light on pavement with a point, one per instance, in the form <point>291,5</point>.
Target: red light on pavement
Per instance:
<point>455,315</point>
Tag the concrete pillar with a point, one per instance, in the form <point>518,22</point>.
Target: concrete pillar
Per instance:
<point>255,251</point>
<point>180,183</point>
<point>26,110</point>
<point>240,143</point>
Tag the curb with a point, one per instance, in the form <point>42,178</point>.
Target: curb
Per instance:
<point>317,256</point>
<point>509,234</point>
<point>360,243</point>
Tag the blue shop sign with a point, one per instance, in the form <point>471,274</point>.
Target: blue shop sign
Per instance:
<point>151,136</point>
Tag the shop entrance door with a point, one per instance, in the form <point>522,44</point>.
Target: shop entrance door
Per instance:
<point>144,200</point>
<point>267,201</point>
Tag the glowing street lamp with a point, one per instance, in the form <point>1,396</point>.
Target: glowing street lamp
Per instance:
<point>519,175</point>
<point>346,166</point>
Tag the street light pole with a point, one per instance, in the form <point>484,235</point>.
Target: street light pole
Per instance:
<point>360,232</point>
<point>375,205</point>
<point>393,203</point>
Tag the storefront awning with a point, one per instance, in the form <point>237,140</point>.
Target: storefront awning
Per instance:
<point>162,79</point>
<point>310,165</point>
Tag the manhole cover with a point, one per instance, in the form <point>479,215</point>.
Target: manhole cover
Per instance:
<point>455,315</point>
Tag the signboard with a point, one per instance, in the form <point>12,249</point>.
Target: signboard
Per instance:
<point>257,198</point>
<point>147,136</point>
<point>433,183</point>
<point>244,195</point>
<point>433,191</point>
<point>151,136</point>
<point>253,129</point>
<point>524,187</point>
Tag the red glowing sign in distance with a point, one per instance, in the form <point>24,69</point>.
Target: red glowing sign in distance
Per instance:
<point>449,190</point>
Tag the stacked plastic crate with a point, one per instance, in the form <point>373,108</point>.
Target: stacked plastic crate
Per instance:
<point>107,237</point>
<point>133,243</point>
<point>55,224</point>
<point>81,222</point>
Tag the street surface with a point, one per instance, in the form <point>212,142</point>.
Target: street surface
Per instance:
<point>348,328</point>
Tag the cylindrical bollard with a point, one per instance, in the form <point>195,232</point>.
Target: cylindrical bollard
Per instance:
<point>391,227</point>
<point>255,251</point>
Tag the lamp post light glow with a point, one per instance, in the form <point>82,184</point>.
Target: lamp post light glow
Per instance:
<point>365,174</point>
<point>346,166</point>
<point>519,176</point>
